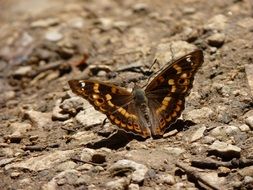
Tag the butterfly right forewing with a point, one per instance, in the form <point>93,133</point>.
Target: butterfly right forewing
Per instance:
<point>167,91</point>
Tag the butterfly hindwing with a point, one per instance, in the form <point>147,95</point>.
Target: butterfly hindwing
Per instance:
<point>115,102</point>
<point>167,91</point>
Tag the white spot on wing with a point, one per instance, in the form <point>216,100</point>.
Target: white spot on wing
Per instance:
<point>188,59</point>
<point>82,84</point>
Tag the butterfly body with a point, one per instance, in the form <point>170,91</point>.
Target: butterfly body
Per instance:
<point>142,109</point>
<point>145,112</point>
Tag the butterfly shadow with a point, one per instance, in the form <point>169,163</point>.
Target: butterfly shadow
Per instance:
<point>180,125</point>
<point>120,138</point>
<point>115,140</point>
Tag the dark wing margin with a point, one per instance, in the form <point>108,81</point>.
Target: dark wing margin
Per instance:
<point>115,102</point>
<point>167,91</point>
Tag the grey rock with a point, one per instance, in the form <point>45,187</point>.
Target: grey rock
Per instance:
<point>44,23</point>
<point>21,128</point>
<point>138,170</point>
<point>189,10</point>
<point>8,95</point>
<point>6,161</point>
<point>190,34</point>
<point>39,119</point>
<point>133,186</point>
<point>248,179</point>
<point>66,165</point>
<point>167,179</point>
<point>15,174</point>
<point>170,133</point>
<point>43,162</point>
<point>223,149</point>
<point>53,35</point>
<point>249,122</point>
<point>70,177</point>
<point>90,117</point>
<point>208,140</point>
<point>26,39</point>
<point>153,158</point>
<point>213,178</point>
<point>224,118</point>
<point>179,185</point>
<point>85,167</point>
<point>246,23</point>
<point>121,25</point>
<point>217,23</point>
<point>244,128</point>
<point>225,91</point>
<point>76,22</point>
<point>198,115</point>
<point>175,151</point>
<point>119,184</point>
<point>57,112</point>
<point>198,134</point>
<point>247,171</point>
<point>84,137</point>
<point>97,169</point>
<point>86,154</point>
<point>224,131</point>
<point>248,114</point>
<point>25,182</point>
<point>23,71</point>
<point>140,7</point>
<point>18,131</point>
<point>72,105</point>
<point>8,152</point>
<point>105,23</point>
<point>216,40</point>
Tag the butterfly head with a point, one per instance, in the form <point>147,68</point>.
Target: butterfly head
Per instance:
<point>139,95</point>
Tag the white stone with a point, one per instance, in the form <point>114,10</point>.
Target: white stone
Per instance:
<point>139,170</point>
<point>198,134</point>
<point>53,35</point>
<point>43,162</point>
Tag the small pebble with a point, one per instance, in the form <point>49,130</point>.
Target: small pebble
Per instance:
<point>216,40</point>
<point>53,36</point>
<point>249,122</point>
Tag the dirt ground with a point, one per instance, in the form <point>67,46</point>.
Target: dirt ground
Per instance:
<point>52,139</point>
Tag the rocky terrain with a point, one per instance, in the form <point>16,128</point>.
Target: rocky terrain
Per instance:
<point>53,139</point>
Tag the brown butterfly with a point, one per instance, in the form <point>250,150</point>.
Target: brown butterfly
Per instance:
<point>145,112</point>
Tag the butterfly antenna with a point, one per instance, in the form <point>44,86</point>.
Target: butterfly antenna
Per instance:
<point>154,62</point>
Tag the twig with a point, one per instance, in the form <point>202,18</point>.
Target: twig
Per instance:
<point>214,164</point>
<point>194,173</point>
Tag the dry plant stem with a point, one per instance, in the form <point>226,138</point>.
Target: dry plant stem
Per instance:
<point>194,173</point>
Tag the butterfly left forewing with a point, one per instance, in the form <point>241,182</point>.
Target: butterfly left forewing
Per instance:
<point>167,91</point>
<point>115,102</point>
